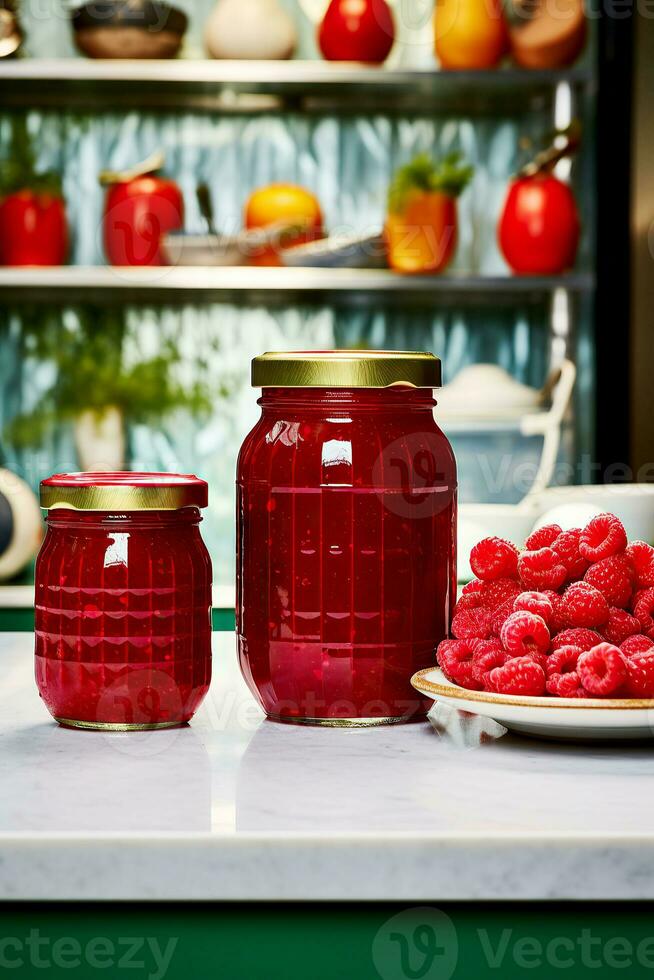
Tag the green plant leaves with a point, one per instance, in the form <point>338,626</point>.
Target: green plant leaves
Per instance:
<point>87,349</point>
<point>18,169</point>
<point>450,175</point>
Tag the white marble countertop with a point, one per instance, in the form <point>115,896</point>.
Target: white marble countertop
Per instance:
<point>236,807</point>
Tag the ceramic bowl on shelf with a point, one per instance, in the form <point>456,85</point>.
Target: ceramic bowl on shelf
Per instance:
<point>181,248</point>
<point>250,30</point>
<point>128,29</point>
<point>11,35</point>
<point>187,249</point>
<point>487,392</point>
<point>362,251</point>
<point>567,719</point>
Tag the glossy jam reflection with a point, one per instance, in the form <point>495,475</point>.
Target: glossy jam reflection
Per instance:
<point>346,551</point>
<point>123,628</point>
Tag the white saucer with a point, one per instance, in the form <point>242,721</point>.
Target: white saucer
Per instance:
<point>561,718</point>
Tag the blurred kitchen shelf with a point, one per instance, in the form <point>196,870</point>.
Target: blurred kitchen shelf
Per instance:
<point>281,286</point>
<point>251,86</point>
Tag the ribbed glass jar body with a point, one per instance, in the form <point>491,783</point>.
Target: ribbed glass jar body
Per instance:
<point>123,618</point>
<point>346,540</point>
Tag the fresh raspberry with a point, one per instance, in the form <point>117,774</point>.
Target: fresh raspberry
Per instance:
<point>584,605</point>
<point>541,569</point>
<point>643,609</point>
<point>583,638</point>
<point>557,621</point>
<point>561,672</point>
<point>505,588</point>
<point>543,537</point>
<point>640,675</point>
<point>488,654</point>
<point>567,548</point>
<point>566,685</point>
<point>636,644</point>
<point>620,626</point>
<point>612,577</point>
<point>641,557</point>
<point>524,633</point>
<point>494,558</point>
<point>534,602</point>
<point>602,537</point>
<point>637,595</point>
<point>536,655</point>
<point>489,595</point>
<point>602,670</point>
<point>455,659</point>
<point>518,676</point>
<point>538,658</point>
<point>563,661</point>
<point>500,616</point>
<point>470,624</point>
<point>472,595</point>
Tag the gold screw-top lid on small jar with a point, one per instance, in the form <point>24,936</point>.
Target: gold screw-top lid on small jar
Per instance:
<point>123,491</point>
<point>346,369</point>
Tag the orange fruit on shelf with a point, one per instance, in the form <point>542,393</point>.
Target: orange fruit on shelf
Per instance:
<point>421,224</point>
<point>469,34</point>
<point>284,204</point>
<point>423,237</point>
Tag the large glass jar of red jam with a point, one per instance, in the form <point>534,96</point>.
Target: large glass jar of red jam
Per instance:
<point>346,531</point>
<point>123,600</point>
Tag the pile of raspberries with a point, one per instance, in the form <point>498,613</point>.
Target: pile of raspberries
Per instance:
<point>572,615</point>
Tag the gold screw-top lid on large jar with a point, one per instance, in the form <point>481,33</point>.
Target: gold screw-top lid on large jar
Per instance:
<point>346,369</point>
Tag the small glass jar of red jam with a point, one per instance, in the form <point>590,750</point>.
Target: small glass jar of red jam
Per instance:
<point>346,535</point>
<point>123,600</point>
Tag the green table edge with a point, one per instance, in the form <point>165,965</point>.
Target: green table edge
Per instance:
<point>327,941</point>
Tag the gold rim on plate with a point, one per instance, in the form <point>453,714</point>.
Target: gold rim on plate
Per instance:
<point>450,690</point>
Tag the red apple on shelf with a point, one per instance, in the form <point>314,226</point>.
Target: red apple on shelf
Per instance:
<point>33,229</point>
<point>539,227</point>
<point>140,208</point>
<point>357,30</point>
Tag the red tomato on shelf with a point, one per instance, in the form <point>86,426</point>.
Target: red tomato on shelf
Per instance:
<point>137,214</point>
<point>539,227</point>
<point>357,30</point>
<point>33,229</point>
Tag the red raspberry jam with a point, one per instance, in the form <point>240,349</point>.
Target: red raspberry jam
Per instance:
<point>123,600</point>
<point>346,530</point>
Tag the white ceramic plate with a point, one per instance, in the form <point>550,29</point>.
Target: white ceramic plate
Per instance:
<point>560,718</point>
